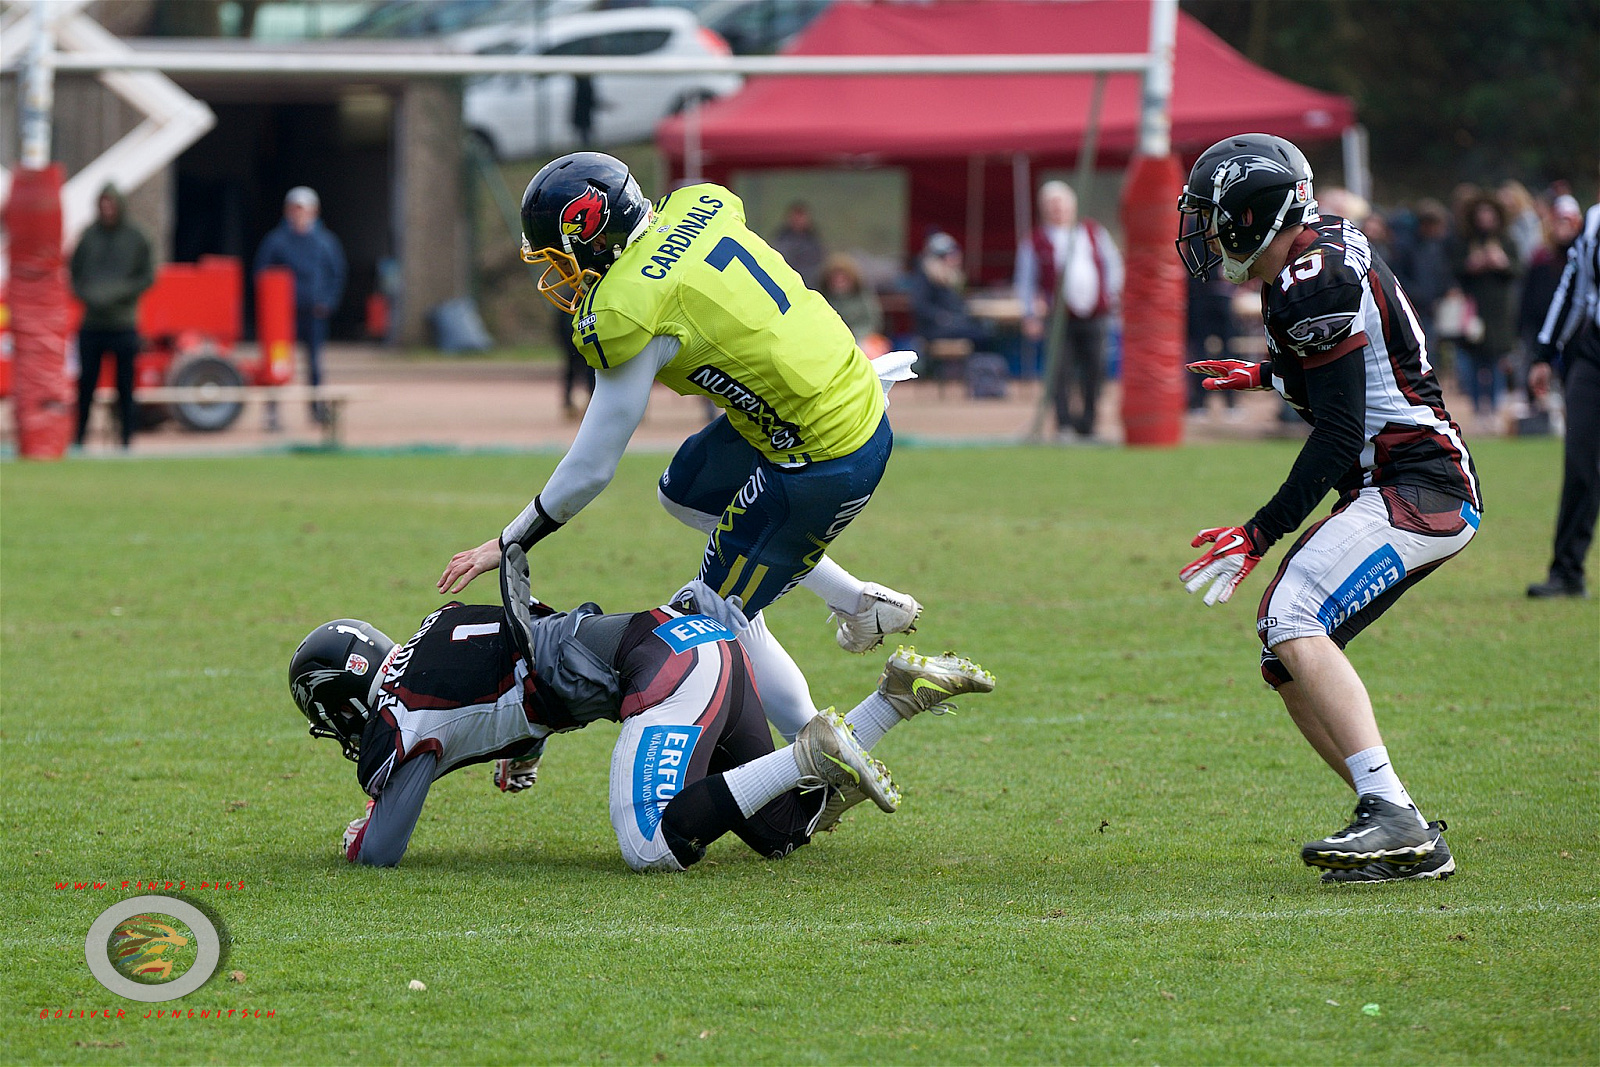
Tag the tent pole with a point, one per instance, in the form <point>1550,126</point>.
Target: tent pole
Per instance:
<point>692,161</point>
<point>1021,196</point>
<point>1091,139</point>
<point>1021,219</point>
<point>974,265</point>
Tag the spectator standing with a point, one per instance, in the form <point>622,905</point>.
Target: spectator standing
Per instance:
<point>1210,328</point>
<point>1422,264</point>
<point>799,244</point>
<point>1076,262</point>
<point>854,301</point>
<point>1487,269</point>
<point>1571,338</point>
<point>584,105</point>
<point>307,247</point>
<point>1540,282</point>
<point>1524,228</point>
<point>111,268</point>
<point>576,369</point>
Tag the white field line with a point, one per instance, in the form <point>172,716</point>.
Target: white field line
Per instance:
<point>569,930</point>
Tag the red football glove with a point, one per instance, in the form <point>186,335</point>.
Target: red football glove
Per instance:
<point>1225,565</point>
<point>1229,374</point>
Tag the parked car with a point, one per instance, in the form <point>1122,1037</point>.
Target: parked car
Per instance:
<point>518,116</point>
<point>754,27</point>
<point>433,18</point>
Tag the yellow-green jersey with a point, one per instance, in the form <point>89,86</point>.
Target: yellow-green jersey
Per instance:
<point>767,350</point>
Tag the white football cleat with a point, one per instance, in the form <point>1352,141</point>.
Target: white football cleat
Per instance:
<point>827,753</point>
<point>913,683</point>
<point>887,612</point>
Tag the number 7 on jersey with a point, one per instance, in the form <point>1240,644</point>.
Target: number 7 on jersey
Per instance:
<point>727,250</point>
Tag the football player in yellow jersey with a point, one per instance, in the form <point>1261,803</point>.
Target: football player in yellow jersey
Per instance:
<point>684,293</point>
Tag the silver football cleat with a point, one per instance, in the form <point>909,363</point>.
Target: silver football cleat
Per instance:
<point>827,753</point>
<point>914,684</point>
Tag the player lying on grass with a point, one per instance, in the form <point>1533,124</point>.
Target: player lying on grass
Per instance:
<point>683,293</point>
<point>695,758</point>
<point>1346,352</point>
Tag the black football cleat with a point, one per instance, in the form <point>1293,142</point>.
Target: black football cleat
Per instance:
<point>1380,832</point>
<point>1438,866</point>
<point>1556,588</point>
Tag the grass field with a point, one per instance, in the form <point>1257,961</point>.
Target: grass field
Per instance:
<point>1098,863</point>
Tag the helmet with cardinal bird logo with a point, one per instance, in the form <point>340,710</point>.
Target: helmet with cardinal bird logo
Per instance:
<point>578,214</point>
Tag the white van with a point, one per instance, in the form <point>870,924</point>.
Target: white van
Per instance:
<point>518,116</point>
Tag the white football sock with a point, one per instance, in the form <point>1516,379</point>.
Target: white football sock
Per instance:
<point>872,718</point>
<point>839,589</point>
<point>755,784</point>
<point>784,692</point>
<point>1374,774</point>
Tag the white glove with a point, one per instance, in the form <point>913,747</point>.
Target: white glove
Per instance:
<point>893,367</point>
<point>728,612</point>
<point>352,831</point>
<point>515,775</point>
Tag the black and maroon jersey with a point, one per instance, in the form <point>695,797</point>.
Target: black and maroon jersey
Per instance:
<point>457,690</point>
<point>1380,417</point>
<point>461,689</point>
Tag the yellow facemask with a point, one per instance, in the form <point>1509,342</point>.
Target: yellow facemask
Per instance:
<point>562,282</point>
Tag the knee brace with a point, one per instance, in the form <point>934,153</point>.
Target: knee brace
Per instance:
<point>1273,670</point>
<point>697,520</point>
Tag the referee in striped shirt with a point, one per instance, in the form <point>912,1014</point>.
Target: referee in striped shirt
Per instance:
<point>1570,341</point>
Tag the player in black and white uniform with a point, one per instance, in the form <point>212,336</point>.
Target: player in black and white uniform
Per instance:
<point>1346,351</point>
<point>694,760</point>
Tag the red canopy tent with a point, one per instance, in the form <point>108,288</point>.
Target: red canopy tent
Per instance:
<point>957,132</point>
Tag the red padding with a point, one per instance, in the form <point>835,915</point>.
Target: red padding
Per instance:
<point>1154,304</point>
<point>42,398</point>
<point>275,325</point>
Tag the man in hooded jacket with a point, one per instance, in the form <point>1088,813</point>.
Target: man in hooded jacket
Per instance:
<point>111,268</point>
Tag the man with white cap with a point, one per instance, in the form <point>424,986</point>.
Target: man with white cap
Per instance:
<point>308,248</point>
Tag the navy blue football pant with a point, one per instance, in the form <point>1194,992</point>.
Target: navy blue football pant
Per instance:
<point>775,522</point>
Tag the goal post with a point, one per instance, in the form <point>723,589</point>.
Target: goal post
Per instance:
<point>1155,296</point>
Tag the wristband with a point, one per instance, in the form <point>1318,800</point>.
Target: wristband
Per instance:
<point>529,528</point>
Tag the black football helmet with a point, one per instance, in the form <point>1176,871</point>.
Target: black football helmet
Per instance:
<point>578,214</point>
<point>1242,192</point>
<point>333,676</point>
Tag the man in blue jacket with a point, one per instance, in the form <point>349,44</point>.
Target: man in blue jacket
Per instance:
<point>308,248</point>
